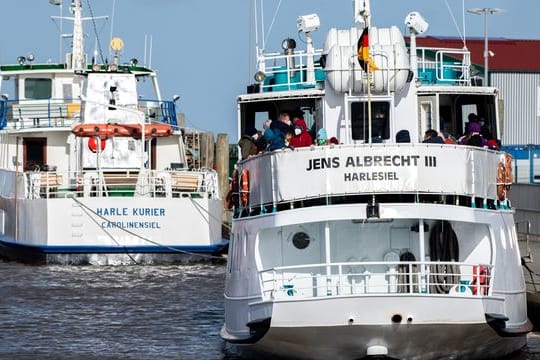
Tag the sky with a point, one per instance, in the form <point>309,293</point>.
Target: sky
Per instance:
<point>204,50</point>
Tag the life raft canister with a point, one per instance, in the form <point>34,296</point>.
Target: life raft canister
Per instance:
<point>244,188</point>
<point>92,145</point>
<point>504,177</point>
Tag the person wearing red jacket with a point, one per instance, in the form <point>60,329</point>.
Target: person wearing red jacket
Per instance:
<point>301,137</point>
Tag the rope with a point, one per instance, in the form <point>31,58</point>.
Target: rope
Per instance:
<point>95,31</point>
<point>272,23</point>
<point>208,256</point>
<point>208,213</point>
<point>443,246</point>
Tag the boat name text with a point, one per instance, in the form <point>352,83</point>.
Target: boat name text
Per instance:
<point>369,161</point>
<point>124,211</point>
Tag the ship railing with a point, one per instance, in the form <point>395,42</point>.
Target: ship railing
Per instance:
<point>440,66</point>
<point>399,278</point>
<point>39,113</point>
<point>525,162</point>
<point>152,183</point>
<point>289,72</point>
<point>47,113</point>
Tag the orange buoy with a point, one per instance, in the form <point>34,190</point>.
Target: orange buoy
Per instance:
<point>504,177</point>
<point>244,188</point>
<point>92,145</point>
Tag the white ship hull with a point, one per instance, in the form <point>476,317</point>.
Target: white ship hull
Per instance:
<point>110,230</point>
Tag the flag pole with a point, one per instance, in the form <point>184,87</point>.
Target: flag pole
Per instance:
<point>366,20</point>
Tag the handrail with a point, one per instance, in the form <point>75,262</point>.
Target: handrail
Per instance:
<point>154,183</point>
<point>451,66</point>
<point>290,74</point>
<point>63,112</point>
<point>371,277</point>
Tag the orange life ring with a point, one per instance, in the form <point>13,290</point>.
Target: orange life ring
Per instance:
<point>104,131</point>
<point>504,177</point>
<point>232,196</point>
<point>244,188</point>
<point>93,146</point>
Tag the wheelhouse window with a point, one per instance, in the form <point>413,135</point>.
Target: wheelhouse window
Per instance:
<point>380,121</point>
<point>37,88</point>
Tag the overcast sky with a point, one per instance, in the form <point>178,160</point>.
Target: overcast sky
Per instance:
<point>202,49</point>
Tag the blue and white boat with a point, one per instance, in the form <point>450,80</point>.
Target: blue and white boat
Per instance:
<point>380,245</point>
<point>92,173</point>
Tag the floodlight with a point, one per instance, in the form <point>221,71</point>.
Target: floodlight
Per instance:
<point>260,76</point>
<point>21,60</point>
<point>288,44</point>
<point>415,22</point>
<point>308,23</point>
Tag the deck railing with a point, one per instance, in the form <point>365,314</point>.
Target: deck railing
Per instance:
<point>370,278</point>
<point>155,183</point>
<point>289,72</point>
<point>47,113</point>
<point>444,66</point>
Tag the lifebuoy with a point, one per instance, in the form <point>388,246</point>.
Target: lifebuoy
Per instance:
<point>232,196</point>
<point>244,188</point>
<point>93,146</point>
<point>480,279</point>
<point>504,177</point>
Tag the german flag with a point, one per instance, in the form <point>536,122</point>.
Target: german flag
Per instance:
<point>364,59</point>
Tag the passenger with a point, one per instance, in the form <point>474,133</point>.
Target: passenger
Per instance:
<point>301,136</point>
<point>288,138</point>
<point>284,124</point>
<point>403,136</point>
<point>432,137</point>
<point>475,138</point>
<point>248,146</point>
<point>273,139</point>
<point>322,138</point>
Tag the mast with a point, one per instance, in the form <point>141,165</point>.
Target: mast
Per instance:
<point>362,13</point>
<point>78,61</point>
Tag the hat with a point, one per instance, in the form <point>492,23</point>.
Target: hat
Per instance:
<point>334,140</point>
<point>402,136</point>
<point>321,134</point>
<point>474,127</point>
<point>250,131</point>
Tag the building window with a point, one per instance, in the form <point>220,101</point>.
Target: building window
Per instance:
<point>37,88</point>
<point>380,121</point>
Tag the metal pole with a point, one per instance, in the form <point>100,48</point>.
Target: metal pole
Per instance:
<point>485,47</point>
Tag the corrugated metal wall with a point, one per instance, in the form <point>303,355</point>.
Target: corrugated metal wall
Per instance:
<point>519,91</point>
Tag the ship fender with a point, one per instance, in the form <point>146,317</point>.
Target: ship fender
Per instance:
<point>443,246</point>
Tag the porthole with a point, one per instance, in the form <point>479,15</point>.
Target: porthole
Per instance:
<point>301,240</point>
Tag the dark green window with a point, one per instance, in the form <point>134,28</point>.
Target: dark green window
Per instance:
<point>37,88</point>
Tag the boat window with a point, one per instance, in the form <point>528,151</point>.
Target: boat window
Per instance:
<point>37,88</point>
<point>380,120</point>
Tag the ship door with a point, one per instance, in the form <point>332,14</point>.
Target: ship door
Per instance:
<point>34,153</point>
<point>427,110</point>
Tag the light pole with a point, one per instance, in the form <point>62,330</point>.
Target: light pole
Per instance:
<point>486,12</point>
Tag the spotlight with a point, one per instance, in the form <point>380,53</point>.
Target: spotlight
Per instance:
<point>288,44</point>
<point>259,76</point>
<point>30,57</point>
<point>133,62</point>
<point>21,60</point>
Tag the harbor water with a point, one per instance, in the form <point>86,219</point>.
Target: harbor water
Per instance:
<point>120,312</point>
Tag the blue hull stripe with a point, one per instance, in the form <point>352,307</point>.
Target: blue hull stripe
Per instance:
<point>116,249</point>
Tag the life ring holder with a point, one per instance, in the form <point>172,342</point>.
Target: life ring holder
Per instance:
<point>244,188</point>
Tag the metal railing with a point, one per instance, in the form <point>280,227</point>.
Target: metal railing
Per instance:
<point>289,72</point>
<point>368,278</point>
<point>525,163</point>
<point>450,66</point>
<point>153,183</point>
<point>46,113</point>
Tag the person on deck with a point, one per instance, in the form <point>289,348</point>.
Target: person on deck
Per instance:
<point>301,137</point>
<point>247,143</point>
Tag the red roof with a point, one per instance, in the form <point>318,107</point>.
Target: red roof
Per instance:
<point>509,54</point>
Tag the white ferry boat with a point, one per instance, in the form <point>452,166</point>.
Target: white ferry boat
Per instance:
<point>372,246</point>
<point>90,172</point>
